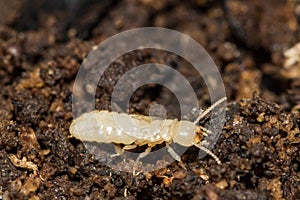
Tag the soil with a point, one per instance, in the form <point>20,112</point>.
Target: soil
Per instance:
<point>44,42</point>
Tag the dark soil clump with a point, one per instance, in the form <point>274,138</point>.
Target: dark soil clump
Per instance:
<point>42,47</point>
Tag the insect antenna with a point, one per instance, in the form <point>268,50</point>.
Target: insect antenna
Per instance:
<point>206,150</point>
<point>203,114</point>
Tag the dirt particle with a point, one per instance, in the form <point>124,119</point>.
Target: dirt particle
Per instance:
<point>210,192</point>
<point>30,185</point>
<point>23,163</point>
<point>110,189</point>
<point>275,187</point>
<point>222,184</point>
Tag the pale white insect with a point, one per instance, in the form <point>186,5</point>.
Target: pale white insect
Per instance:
<point>102,127</point>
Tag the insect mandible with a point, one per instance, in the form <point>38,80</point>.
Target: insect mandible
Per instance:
<point>101,127</point>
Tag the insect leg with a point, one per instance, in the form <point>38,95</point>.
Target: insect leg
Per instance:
<point>175,156</point>
<point>206,150</point>
<point>141,155</point>
<point>129,147</point>
<point>203,114</point>
<point>120,151</point>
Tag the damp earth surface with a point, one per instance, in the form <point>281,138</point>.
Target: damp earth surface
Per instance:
<point>43,43</point>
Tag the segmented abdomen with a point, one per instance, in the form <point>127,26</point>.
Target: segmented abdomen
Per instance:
<point>106,127</point>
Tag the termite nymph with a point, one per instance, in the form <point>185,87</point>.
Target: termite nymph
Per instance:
<point>101,126</point>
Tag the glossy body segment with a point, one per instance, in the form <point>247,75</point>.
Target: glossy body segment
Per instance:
<point>106,127</point>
